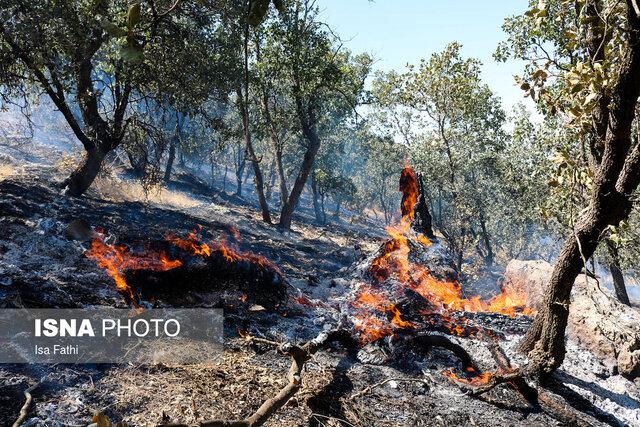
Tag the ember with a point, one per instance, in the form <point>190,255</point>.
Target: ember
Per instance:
<point>394,272</point>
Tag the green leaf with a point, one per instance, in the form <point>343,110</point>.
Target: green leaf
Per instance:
<point>133,16</point>
<point>112,29</point>
<point>258,11</point>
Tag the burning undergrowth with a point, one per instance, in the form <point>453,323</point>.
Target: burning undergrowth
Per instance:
<point>408,284</point>
<point>175,267</point>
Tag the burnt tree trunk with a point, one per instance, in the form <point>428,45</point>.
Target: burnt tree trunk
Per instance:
<point>239,173</point>
<point>336,213</point>
<point>616,177</point>
<point>273,134</point>
<point>488,259</point>
<point>272,180</point>
<point>616,274</point>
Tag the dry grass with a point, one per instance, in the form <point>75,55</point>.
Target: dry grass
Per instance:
<point>7,171</point>
<point>110,187</point>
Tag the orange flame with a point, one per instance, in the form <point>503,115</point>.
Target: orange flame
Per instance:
<point>409,189</point>
<point>446,296</point>
<point>116,259</point>
<point>190,244</point>
<point>479,379</point>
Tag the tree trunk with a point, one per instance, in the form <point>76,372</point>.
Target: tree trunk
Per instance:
<point>616,274</point>
<point>313,146</point>
<point>213,170</point>
<point>322,209</point>
<point>272,180</point>
<point>84,175</point>
<point>616,178</point>
<point>172,157</point>
<point>224,177</point>
<point>488,259</point>
<point>239,175</point>
<point>243,103</point>
<point>336,213</point>
<point>284,192</point>
<point>316,203</point>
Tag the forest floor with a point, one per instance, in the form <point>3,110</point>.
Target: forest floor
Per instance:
<point>41,267</point>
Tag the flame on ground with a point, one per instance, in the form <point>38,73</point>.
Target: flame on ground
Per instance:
<point>445,296</point>
<point>117,259</point>
<point>474,381</point>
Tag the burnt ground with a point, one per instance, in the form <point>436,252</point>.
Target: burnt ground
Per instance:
<point>41,267</point>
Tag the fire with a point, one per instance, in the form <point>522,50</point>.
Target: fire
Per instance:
<point>409,189</point>
<point>117,259</point>
<point>445,296</point>
<point>190,244</point>
<point>477,380</point>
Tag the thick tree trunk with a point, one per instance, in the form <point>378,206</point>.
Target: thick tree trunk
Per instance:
<point>84,175</point>
<point>616,274</point>
<point>313,146</point>
<point>617,176</point>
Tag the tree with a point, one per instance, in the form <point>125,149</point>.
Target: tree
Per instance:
<point>321,77</point>
<point>95,59</point>
<point>592,78</point>
<point>452,123</point>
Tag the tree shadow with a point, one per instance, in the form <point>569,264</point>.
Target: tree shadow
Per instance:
<point>581,403</point>
<point>327,402</point>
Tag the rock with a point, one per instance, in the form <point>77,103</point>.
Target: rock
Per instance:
<point>629,360</point>
<point>79,229</point>
<point>596,321</point>
<point>530,277</point>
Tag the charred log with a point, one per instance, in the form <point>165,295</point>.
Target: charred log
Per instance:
<point>252,275</point>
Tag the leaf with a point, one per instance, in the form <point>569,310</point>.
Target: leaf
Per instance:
<point>592,96</point>
<point>133,16</point>
<point>258,11</point>
<point>112,29</point>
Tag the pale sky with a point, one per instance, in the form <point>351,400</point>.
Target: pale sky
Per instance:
<point>398,32</point>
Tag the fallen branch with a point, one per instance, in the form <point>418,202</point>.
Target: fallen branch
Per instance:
<point>424,342</point>
<point>517,380</point>
<point>299,356</point>
<point>27,404</point>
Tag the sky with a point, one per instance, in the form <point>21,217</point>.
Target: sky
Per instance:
<point>397,32</point>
